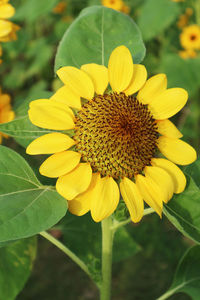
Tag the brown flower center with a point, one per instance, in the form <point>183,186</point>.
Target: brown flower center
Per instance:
<point>116,134</point>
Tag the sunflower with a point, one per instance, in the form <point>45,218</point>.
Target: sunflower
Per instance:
<point>190,37</point>
<point>115,136</point>
<point>6,112</point>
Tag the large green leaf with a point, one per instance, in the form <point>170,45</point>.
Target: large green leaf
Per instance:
<point>184,211</point>
<point>26,207</point>
<point>194,171</point>
<point>21,128</point>
<point>187,276</point>
<point>93,36</point>
<point>155,16</point>
<point>16,262</point>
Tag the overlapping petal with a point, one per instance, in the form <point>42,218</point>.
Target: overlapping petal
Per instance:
<point>167,128</point>
<point>66,96</point>
<point>138,79</point>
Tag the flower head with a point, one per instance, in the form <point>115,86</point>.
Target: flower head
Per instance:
<point>114,4</point>
<point>190,37</point>
<point>6,112</point>
<point>114,124</point>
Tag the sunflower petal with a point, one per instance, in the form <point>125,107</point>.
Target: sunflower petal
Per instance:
<point>50,143</point>
<point>177,150</point>
<point>5,28</point>
<point>6,11</point>
<point>120,68</point>
<point>66,96</point>
<point>78,81</point>
<point>167,128</point>
<point>174,171</point>
<point>151,193</point>
<point>132,198</point>
<point>80,205</point>
<point>51,115</point>
<point>75,182</point>
<point>168,103</point>
<point>99,76</point>
<point>60,163</point>
<point>153,87</point>
<point>138,80</point>
<point>106,200</point>
<point>162,179</point>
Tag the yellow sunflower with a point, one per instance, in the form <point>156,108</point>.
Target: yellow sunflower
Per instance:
<point>115,136</point>
<point>6,112</point>
<point>114,4</point>
<point>190,37</point>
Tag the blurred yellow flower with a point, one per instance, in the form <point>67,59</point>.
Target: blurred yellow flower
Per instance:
<point>178,0</point>
<point>114,4</point>
<point>115,140</point>
<point>190,53</point>
<point>7,28</point>
<point>126,9</point>
<point>184,18</point>
<point>6,112</point>
<point>60,7</point>
<point>190,37</point>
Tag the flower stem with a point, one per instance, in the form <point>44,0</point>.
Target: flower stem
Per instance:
<point>107,243</point>
<point>67,251</point>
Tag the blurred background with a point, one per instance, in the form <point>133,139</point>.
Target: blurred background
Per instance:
<point>171,33</point>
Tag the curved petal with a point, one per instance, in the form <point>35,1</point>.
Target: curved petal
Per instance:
<point>132,198</point>
<point>177,150</point>
<point>6,11</point>
<point>168,103</point>
<point>5,28</point>
<point>66,96</point>
<point>80,205</point>
<point>167,128</point>
<point>75,182</point>
<point>162,179</point>
<point>153,86</point>
<point>60,163</point>
<point>106,200</point>
<point>50,143</point>
<point>150,192</point>
<point>120,69</point>
<point>174,171</point>
<point>138,80</point>
<point>78,81</point>
<point>51,115</point>
<point>99,76</point>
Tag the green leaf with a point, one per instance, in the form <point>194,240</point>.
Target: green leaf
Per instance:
<point>187,276</point>
<point>183,211</point>
<point>194,171</point>
<point>21,129</point>
<point>156,16</point>
<point>94,34</point>
<point>181,72</point>
<point>26,207</point>
<point>16,262</point>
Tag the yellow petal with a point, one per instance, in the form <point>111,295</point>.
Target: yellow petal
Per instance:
<point>167,128</point>
<point>78,81</point>
<point>66,96</point>
<point>174,171</point>
<point>6,11</point>
<point>153,86</point>
<point>4,100</point>
<point>177,150</point>
<point>60,163</point>
<point>51,115</point>
<point>162,179</point>
<point>168,103</point>
<point>132,198</point>
<point>138,80</point>
<point>80,205</point>
<point>75,182</point>
<point>5,28</point>
<point>99,76</point>
<point>120,68</point>
<point>106,200</point>
<point>50,143</point>
<point>151,193</point>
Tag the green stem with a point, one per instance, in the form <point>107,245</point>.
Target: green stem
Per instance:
<point>107,243</point>
<point>67,251</point>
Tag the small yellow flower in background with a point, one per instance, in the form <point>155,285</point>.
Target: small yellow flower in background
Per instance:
<point>190,37</point>
<point>126,9</point>
<point>115,137</point>
<point>60,7</point>
<point>117,5</point>
<point>184,19</point>
<point>6,112</point>
<point>187,54</point>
